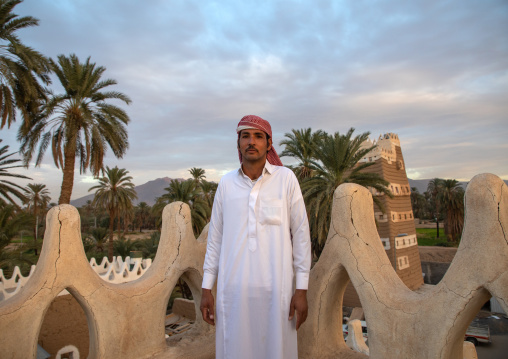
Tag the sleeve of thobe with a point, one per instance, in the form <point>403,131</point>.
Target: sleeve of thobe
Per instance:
<point>300,235</point>
<point>214,242</point>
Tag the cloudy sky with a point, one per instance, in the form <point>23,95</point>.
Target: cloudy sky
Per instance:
<point>434,72</point>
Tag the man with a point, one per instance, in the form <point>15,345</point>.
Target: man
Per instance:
<point>258,242</point>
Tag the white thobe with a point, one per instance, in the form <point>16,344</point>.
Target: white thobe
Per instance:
<point>258,244</point>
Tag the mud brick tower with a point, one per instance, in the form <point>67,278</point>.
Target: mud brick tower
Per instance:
<point>396,226</point>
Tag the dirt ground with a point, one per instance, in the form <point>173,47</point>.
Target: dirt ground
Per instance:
<point>437,254</point>
<point>189,346</point>
<point>424,224</point>
<point>136,235</point>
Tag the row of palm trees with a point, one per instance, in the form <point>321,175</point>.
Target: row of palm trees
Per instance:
<point>16,220</point>
<point>324,162</point>
<point>113,203</point>
<point>81,123</point>
<point>115,194</point>
<point>35,196</point>
<point>78,123</point>
<point>13,219</point>
<point>197,192</point>
<point>443,200</point>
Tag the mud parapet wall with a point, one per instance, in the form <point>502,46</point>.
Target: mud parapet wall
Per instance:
<point>64,322</point>
<point>127,320</point>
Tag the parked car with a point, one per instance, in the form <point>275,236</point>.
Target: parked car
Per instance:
<point>477,333</point>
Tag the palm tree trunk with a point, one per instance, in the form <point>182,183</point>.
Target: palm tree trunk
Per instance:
<point>36,224</point>
<point>180,284</point>
<point>437,220</point>
<point>118,226</point>
<point>125,225</point>
<point>111,231</point>
<point>68,174</point>
<point>448,225</point>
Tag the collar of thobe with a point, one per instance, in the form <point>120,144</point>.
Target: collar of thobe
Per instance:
<point>269,168</point>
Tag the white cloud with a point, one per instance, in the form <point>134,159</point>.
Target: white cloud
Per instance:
<point>193,69</point>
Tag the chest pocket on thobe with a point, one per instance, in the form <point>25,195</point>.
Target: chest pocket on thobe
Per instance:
<point>270,211</point>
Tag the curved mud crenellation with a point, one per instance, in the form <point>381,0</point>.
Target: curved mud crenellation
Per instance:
<point>127,320</point>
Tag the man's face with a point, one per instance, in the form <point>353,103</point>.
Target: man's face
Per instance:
<point>254,145</point>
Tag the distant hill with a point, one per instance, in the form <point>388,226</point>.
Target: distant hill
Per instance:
<point>147,192</point>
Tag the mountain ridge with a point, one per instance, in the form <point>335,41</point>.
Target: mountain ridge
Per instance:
<point>150,190</point>
<point>147,192</point>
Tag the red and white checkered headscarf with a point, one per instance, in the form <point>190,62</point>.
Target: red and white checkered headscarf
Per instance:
<point>256,122</point>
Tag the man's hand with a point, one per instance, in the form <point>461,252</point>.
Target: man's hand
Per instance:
<point>207,305</point>
<point>298,304</point>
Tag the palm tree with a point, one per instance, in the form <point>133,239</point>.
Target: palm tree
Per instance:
<point>115,192</point>
<point>37,198</point>
<point>12,221</point>
<point>198,174</point>
<point>208,190</point>
<point>335,162</point>
<point>142,214</point>
<point>451,198</point>
<point>78,123</point>
<point>149,245</point>
<point>96,239</point>
<point>123,247</point>
<point>418,203</point>
<point>20,66</point>
<point>127,214</point>
<point>89,210</point>
<point>186,192</point>
<point>434,189</point>
<point>8,188</point>
<point>300,144</point>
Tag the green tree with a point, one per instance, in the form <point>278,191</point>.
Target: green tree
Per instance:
<point>300,144</point>
<point>88,210</point>
<point>79,123</point>
<point>115,193</point>
<point>336,161</point>
<point>123,247</point>
<point>142,214</point>
<point>95,240</point>
<point>127,215</point>
<point>451,198</point>
<point>198,174</point>
<point>37,199</point>
<point>208,190</point>
<point>149,245</point>
<point>12,221</point>
<point>8,188</point>
<point>434,189</point>
<point>186,192</point>
<point>20,66</point>
<point>418,203</point>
